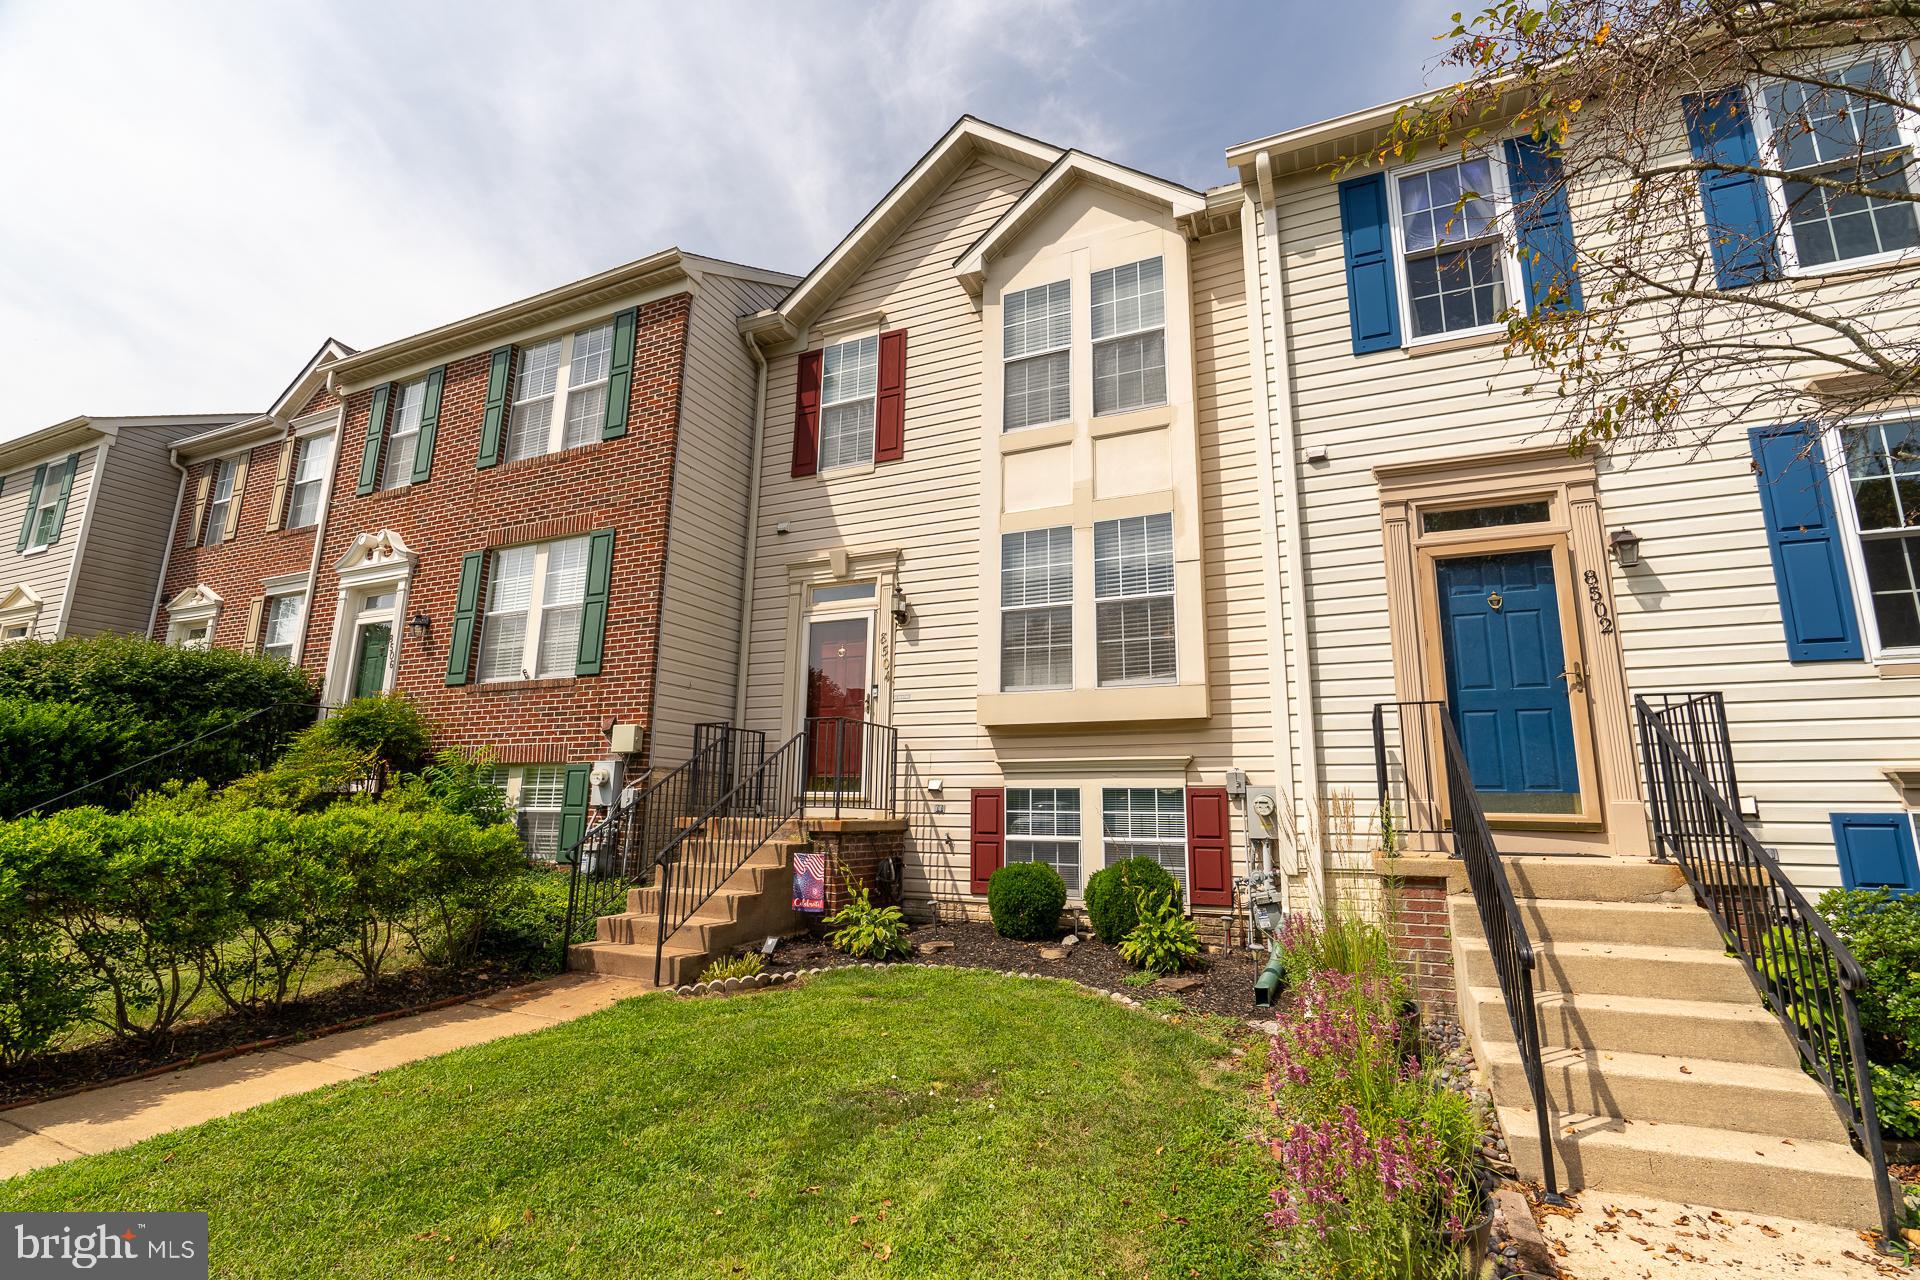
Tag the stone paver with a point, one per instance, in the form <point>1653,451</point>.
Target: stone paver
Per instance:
<point>1633,1238</point>
<point>46,1133</point>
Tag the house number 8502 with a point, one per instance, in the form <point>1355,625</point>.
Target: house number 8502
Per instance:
<point>1599,602</point>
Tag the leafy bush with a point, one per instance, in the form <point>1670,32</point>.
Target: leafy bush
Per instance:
<point>524,932</point>
<point>1164,941</point>
<point>1882,930</point>
<point>1025,900</point>
<point>386,727</point>
<point>1896,1099</point>
<point>159,698</point>
<point>458,781</point>
<point>51,747</point>
<point>864,931</point>
<point>745,965</point>
<point>43,988</point>
<point>1110,895</point>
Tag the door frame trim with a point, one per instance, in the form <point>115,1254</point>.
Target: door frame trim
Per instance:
<point>829,568</point>
<point>1570,486</point>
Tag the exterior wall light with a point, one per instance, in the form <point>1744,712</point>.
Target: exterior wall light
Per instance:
<point>901,612</point>
<point>1626,547</point>
<point>420,626</point>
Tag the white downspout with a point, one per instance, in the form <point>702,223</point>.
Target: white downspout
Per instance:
<point>1293,534</point>
<point>320,531</point>
<point>173,531</point>
<point>753,534</point>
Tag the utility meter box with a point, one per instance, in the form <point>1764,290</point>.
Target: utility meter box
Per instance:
<point>1263,813</point>
<point>604,783</point>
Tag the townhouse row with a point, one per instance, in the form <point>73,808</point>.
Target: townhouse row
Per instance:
<point>1122,505</point>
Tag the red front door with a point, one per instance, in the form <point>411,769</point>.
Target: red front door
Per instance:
<point>836,690</point>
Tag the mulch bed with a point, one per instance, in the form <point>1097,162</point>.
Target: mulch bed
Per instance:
<point>110,1060</point>
<point>1223,986</point>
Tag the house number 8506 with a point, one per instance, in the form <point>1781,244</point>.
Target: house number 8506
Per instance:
<point>1599,602</point>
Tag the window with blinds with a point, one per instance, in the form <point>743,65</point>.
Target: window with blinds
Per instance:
<point>535,598</point>
<point>1036,609</point>
<point>1148,822</point>
<point>1129,337</point>
<point>1043,825</point>
<point>1037,330</point>
<point>1133,600</point>
<point>849,380</point>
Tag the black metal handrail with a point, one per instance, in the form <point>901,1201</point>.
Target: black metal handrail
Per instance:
<point>1801,968</point>
<point>619,851</point>
<point>854,763</point>
<point>1451,811</point>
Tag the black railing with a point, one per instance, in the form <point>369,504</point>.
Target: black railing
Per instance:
<point>1436,786</point>
<point>852,764</point>
<point>1806,975</point>
<point>618,852</point>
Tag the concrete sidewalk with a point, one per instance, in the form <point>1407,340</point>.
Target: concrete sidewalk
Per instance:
<point>45,1133</point>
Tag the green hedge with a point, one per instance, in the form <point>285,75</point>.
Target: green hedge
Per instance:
<point>1025,900</point>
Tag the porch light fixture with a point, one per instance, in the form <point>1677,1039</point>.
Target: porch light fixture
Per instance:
<point>901,612</point>
<point>420,626</point>
<point>1626,547</point>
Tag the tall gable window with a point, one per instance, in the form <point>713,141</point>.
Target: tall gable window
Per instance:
<point>545,421</point>
<point>1129,337</point>
<point>1037,328</point>
<point>1451,256</point>
<point>1133,594</point>
<point>403,433</point>
<point>1036,602</point>
<point>1845,135</point>
<point>311,464</point>
<point>534,603</point>
<point>221,501</point>
<point>849,379</point>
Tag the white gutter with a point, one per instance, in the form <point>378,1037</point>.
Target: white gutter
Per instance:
<point>1279,700</point>
<point>753,534</point>
<point>80,539</point>
<point>173,529</point>
<point>1294,540</point>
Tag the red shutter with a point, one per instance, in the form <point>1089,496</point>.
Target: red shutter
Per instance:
<point>890,405</point>
<point>989,834</point>
<point>806,416</point>
<point>1209,848</point>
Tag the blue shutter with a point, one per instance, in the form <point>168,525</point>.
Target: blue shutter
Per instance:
<point>1809,564</point>
<point>1876,851</point>
<point>1739,219</point>
<point>1545,228</point>
<point>1373,300</point>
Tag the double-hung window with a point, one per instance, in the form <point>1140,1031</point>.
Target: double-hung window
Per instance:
<point>1133,600</point>
<point>312,460</point>
<point>1043,825</point>
<point>1452,259</point>
<point>534,602</point>
<point>1036,609</point>
<point>1037,332</point>
<point>537,793</point>
<point>1146,822</point>
<point>44,523</point>
<point>222,498</point>
<point>545,421</point>
<point>403,433</point>
<point>1129,337</point>
<point>282,625</point>
<point>1844,134</point>
<point>1883,471</point>
<point>849,381</point>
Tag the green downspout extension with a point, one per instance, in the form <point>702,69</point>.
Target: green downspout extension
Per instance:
<point>1266,987</point>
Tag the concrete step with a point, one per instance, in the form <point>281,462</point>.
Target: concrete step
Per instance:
<point>679,962</point>
<point>1643,1024</point>
<point>1557,920</point>
<point>1598,968</point>
<point>1593,879</point>
<point>1736,1096</point>
<point>1813,1181</point>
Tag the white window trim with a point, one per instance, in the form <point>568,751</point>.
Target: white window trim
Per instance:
<point>1095,343</point>
<point>1502,200</point>
<point>49,497</point>
<point>1833,447</point>
<point>24,610</point>
<point>197,606</point>
<point>1186,842</point>
<point>303,436</point>
<point>405,480</point>
<point>1071,604</point>
<point>1079,842</point>
<point>563,388</point>
<point>278,589</point>
<point>868,463</point>
<point>512,785</point>
<point>231,460</point>
<point>536,611</point>
<point>1907,122</point>
<point>1065,348</point>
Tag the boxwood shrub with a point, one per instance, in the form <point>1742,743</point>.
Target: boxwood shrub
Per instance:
<point>1110,895</point>
<point>1025,900</point>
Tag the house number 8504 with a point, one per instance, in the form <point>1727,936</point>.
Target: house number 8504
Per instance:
<point>1599,602</point>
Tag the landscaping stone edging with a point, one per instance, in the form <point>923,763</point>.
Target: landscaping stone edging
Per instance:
<point>733,986</point>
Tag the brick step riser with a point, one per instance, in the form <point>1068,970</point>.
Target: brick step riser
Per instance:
<point>1550,920</point>
<point>1579,1088</point>
<point>1702,975</point>
<point>1758,1042</point>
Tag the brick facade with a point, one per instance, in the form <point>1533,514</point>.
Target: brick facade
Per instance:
<point>625,485</point>
<point>856,852</point>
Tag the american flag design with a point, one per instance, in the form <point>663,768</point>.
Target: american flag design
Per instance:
<point>809,880</point>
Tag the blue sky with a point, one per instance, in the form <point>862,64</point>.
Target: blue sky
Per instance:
<point>197,194</point>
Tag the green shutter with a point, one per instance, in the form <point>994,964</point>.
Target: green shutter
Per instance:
<point>466,616</point>
<point>33,503</point>
<point>492,426</point>
<point>66,491</point>
<point>573,809</point>
<point>429,426</point>
<point>619,376</point>
<point>376,435</point>
<point>593,612</point>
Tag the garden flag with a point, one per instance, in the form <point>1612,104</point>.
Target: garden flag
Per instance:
<point>809,880</point>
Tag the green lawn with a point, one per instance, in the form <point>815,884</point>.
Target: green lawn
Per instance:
<point>911,1122</point>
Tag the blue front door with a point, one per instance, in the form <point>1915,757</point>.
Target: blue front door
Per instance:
<point>1500,630</point>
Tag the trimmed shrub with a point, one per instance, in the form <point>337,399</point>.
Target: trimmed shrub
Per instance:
<point>1025,900</point>
<point>1110,895</point>
<point>1882,930</point>
<point>50,747</point>
<point>386,727</point>
<point>44,990</point>
<point>524,933</point>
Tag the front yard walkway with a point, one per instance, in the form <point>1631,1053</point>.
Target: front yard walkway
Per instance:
<point>46,1133</point>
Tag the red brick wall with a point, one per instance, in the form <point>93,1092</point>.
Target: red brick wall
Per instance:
<point>1422,933</point>
<point>858,854</point>
<point>625,485</point>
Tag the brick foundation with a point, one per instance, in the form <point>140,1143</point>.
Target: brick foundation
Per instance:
<point>1423,936</point>
<point>855,849</point>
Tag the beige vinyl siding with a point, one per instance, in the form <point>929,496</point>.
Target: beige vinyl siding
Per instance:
<point>706,536</point>
<point>1700,613</point>
<point>127,538</point>
<point>46,573</point>
<point>927,508</point>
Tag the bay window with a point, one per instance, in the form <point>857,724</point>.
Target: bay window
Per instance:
<point>1037,332</point>
<point>1133,592</point>
<point>1036,603</point>
<point>1129,337</point>
<point>849,381</point>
